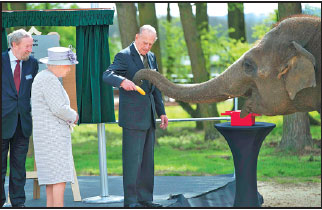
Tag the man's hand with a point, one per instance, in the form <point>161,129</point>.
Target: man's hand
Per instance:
<point>128,85</point>
<point>164,122</point>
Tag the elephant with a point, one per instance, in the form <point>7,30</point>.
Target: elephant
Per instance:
<point>280,75</point>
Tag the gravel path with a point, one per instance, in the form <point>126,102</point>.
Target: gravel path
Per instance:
<point>290,195</point>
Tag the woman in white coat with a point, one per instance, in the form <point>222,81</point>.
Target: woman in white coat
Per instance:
<point>53,119</point>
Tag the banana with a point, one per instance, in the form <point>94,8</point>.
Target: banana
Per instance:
<point>140,90</point>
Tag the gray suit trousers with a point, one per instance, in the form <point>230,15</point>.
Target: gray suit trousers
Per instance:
<point>138,164</point>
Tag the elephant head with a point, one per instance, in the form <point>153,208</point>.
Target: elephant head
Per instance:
<point>280,75</point>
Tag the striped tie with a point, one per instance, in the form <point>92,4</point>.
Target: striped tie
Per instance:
<point>145,62</point>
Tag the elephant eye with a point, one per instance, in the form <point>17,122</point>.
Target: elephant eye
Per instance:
<point>249,66</point>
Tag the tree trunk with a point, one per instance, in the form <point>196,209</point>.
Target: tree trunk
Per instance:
<point>287,9</point>
<point>168,13</point>
<point>170,59</point>
<point>194,113</point>
<point>128,26</point>
<point>296,127</point>
<point>296,132</point>
<point>202,17</point>
<point>147,16</point>
<point>203,28</point>
<point>236,20</point>
<point>197,59</point>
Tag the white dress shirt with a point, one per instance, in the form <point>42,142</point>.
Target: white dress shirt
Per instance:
<point>141,56</point>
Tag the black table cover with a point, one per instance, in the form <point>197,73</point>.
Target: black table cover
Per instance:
<point>245,143</point>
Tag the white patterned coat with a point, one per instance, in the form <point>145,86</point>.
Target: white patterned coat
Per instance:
<point>51,115</point>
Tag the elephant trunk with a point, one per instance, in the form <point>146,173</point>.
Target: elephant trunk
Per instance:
<point>214,90</point>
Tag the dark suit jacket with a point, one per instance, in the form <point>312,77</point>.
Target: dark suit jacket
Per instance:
<point>14,104</point>
<point>134,108</point>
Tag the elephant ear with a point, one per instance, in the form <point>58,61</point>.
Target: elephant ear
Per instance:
<point>300,71</point>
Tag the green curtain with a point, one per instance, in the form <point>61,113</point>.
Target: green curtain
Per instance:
<point>4,40</point>
<point>94,98</point>
<point>57,18</point>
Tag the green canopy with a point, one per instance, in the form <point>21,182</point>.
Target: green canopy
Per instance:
<point>95,100</point>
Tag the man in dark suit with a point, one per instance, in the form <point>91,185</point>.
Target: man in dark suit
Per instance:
<point>137,115</point>
<point>18,73</point>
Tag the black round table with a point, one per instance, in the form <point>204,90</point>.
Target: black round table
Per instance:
<point>245,143</point>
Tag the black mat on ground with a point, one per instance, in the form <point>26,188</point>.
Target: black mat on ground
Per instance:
<point>170,191</point>
<point>220,197</point>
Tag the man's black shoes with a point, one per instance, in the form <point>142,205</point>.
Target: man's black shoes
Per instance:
<point>133,205</point>
<point>143,204</point>
<point>150,204</point>
<point>19,206</point>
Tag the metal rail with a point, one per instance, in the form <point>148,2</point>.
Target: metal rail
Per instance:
<point>186,119</point>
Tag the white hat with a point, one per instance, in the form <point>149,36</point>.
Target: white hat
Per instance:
<point>60,56</point>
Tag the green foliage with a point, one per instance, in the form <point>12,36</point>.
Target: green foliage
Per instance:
<point>175,49</point>
<point>228,49</point>
<point>212,43</point>
<point>41,6</point>
<point>261,29</point>
<point>114,46</point>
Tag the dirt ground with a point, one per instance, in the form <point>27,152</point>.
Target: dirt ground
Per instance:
<point>290,195</point>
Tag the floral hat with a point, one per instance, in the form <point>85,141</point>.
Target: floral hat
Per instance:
<point>60,56</point>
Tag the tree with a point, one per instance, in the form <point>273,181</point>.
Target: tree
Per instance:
<point>171,61</point>
<point>236,26</point>
<point>147,15</point>
<point>236,21</point>
<point>296,127</point>
<point>126,15</point>
<point>203,30</point>
<point>197,58</point>
<point>175,51</point>
<point>170,58</point>
<point>287,9</point>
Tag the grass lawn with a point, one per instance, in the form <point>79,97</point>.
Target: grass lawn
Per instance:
<point>181,150</point>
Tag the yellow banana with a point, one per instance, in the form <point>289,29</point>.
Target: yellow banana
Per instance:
<point>140,90</point>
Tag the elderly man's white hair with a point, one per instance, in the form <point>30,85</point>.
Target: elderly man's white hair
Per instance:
<point>148,28</point>
<point>17,35</point>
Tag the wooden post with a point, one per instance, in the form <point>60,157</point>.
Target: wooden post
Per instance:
<point>75,188</point>
<point>36,184</point>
